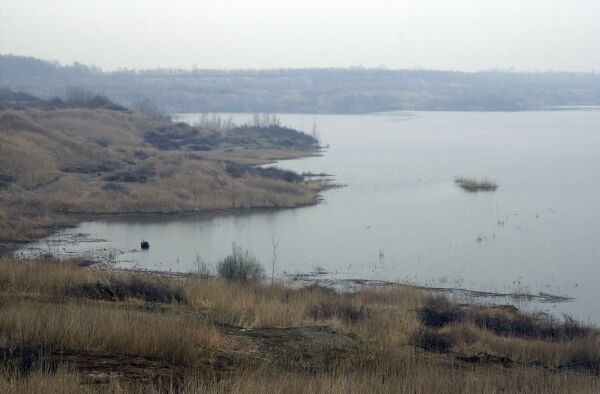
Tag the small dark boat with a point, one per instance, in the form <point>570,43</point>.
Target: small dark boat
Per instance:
<point>145,245</point>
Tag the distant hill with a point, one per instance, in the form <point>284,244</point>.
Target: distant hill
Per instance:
<point>352,90</point>
<point>10,99</point>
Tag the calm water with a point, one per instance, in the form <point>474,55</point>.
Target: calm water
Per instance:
<point>401,217</point>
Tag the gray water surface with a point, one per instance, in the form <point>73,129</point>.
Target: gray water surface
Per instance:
<point>400,216</point>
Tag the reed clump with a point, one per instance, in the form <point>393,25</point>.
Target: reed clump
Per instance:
<point>475,185</point>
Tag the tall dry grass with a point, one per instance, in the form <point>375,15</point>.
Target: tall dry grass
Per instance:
<point>41,277</point>
<point>466,338</point>
<point>37,307</point>
<point>416,376</point>
<point>384,315</point>
<point>44,382</point>
<point>83,326</point>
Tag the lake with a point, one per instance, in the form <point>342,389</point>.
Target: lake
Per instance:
<point>401,217</point>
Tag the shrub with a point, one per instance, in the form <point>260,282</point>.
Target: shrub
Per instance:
<point>117,290</point>
<point>540,325</point>
<point>278,173</point>
<point>584,357</point>
<point>240,266</point>
<point>237,170</point>
<point>439,311</point>
<point>431,340</point>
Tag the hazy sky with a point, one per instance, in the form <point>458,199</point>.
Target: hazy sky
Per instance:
<point>442,34</point>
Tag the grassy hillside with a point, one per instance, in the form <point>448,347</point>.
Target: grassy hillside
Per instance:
<point>64,328</point>
<point>60,162</point>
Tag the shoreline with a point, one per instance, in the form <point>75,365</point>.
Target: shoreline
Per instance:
<point>256,158</point>
<point>212,332</point>
<point>311,279</point>
<point>74,219</point>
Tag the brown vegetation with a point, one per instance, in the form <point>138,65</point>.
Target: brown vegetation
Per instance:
<point>210,334</point>
<point>60,163</point>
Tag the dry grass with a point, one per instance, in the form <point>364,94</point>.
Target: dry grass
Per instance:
<point>107,328</point>
<point>225,337</point>
<point>414,374</point>
<point>82,161</point>
<point>503,332</point>
<point>475,185</point>
<point>41,382</point>
<point>48,278</point>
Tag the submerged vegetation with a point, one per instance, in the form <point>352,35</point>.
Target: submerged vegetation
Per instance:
<point>474,184</point>
<point>76,329</point>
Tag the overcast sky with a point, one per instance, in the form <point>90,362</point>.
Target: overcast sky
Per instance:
<point>523,35</point>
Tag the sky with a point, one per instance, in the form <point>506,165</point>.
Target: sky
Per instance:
<point>467,35</point>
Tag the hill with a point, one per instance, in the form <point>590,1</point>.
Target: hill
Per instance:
<point>60,162</point>
<point>351,90</point>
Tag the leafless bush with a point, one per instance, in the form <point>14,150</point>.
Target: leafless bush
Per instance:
<point>439,311</point>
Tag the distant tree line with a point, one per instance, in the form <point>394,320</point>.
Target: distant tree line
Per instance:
<point>346,90</point>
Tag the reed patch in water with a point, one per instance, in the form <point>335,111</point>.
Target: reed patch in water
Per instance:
<point>475,185</point>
